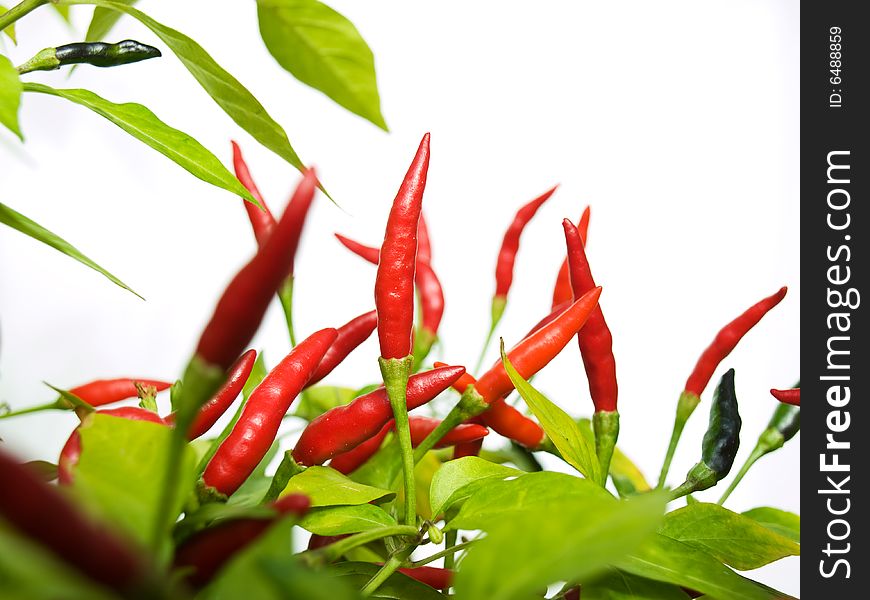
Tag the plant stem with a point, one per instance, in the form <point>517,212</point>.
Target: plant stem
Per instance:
<point>685,407</point>
<point>394,562</point>
<point>447,553</point>
<point>18,11</point>
<point>286,470</point>
<point>470,405</point>
<point>31,409</point>
<point>757,453</point>
<point>606,427</point>
<point>497,310</point>
<point>285,295</point>
<point>341,547</point>
<point>396,372</point>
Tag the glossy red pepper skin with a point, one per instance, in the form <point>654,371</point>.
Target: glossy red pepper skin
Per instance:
<point>350,461</point>
<point>212,410</point>
<point>106,391</point>
<point>369,253</point>
<point>394,284</point>
<point>792,396</point>
<point>41,513</point>
<point>534,352</point>
<point>345,427</point>
<point>436,577</point>
<point>241,452</point>
<point>595,339</point>
<point>726,340</point>
<point>262,221</point>
<point>206,551</point>
<point>562,291</point>
<point>504,268</point>
<point>424,244</point>
<point>72,449</point>
<point>350,335</point>
<point>245,300</point>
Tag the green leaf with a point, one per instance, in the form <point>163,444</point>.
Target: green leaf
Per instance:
<point>28,570</point>
<point>317,400</point>
<point>564,540</point>
<point>144,125</point>
<point>619,585</point>
<point>666,559</point>
<point>559,426</point>
<point>459,479</point>
<point>496,501</point>
<point>63,11</point>
<point>10,95</point>
<point>732,538</point>
<point>339,520</point>
<point>328,487</point>
<point>324,50</point>
<point>784,523</point>
<point>627,478</point>
<point>10,31</point>
<point>268,570</point>
<point>230,95</point>
<point>122,470</point>
<point>19,222</point>
<point>397,586</point>
<point>103,21</point>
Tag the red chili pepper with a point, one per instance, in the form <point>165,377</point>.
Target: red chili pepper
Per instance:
<point>41,513</point>
<point>206,551</point>
<point>245,300</point>
<point>469,448</point>
<point>241,452</point>
<point>262,221</point>
<point>424,245</point>
<point>212,410</point>
<point>504,269</point>
<point>504,419</point>
<point>792,396</point>
<point>345,427</point>
<point>369,253</point>
<point>726,340</point>
<point>466,432</point>
<point>534,352</point>
<point>319,541</point>
<point>72,450</point>
<point>107,391</point>
<point>350,335</point>
<point>595,340</point>
<point>436,577</point>
<point>350,461</point>
<point>394,284</point>
<point>562,291</point>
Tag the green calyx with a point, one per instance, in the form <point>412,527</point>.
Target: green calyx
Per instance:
<point>700,477</point>
<point>396,372</point>
<point>44,60</point>
<point>686,405</point>
<point>606,427</point>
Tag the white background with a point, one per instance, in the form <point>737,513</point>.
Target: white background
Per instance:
<point>676,121</point>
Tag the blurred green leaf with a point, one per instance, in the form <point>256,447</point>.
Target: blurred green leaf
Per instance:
<point>122,469</point>
<point>666,559</point>
<point>328,487</point>
<point>734,539</point>
<point>10,93</point>
<point>141,123</point>
<point>784,523</point>
<point>619,585</point>
<point>564,540</point>
<point>397,587</point>
<point>559,426</point>
<point>459,479</point>
<point>230,95</point>
<point>317,400</point>
<point>496,501</point>
<point>324,50</point>
<point>63,11</point>
<point>103,21</point>
<point>19,222</point>
<point>10,31</point>
<point>338,520</point>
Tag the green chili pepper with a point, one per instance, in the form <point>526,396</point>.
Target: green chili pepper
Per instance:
<point>721,441</point>
<point>99,54</point>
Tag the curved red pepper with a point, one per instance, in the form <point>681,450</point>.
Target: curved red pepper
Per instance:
<point>726,340</point>
<point>562,291</point>
<point>369,253</point>
<point>262,221</point>
<point>436,577</point>
<point>424,244</point>
<point>350,335</point>
<point>394,284</point>
<point>241,452</point>
<point>238,313</point>
<point>345,427</point>
<point>107,391</point>
<point>595,340</point>
<point>792,396</point>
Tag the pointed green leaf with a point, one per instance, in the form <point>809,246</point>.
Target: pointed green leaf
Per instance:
<point>225,89</point>
<point>144,125</point>
<point>734,539</point>
<point>103,21</point>
<point>63,11</point>
<point>17,221</point>
<point>619,585</point>
<point>328,487</point>
<point>10,95</point>
<point>782,522</point>
<point>458,479</point>
<point>324,50</point>
<point>10,31</point>
<point>559,426</point>
<point>666,559</point>
<point>339,520</point>
<point>566,540</point>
